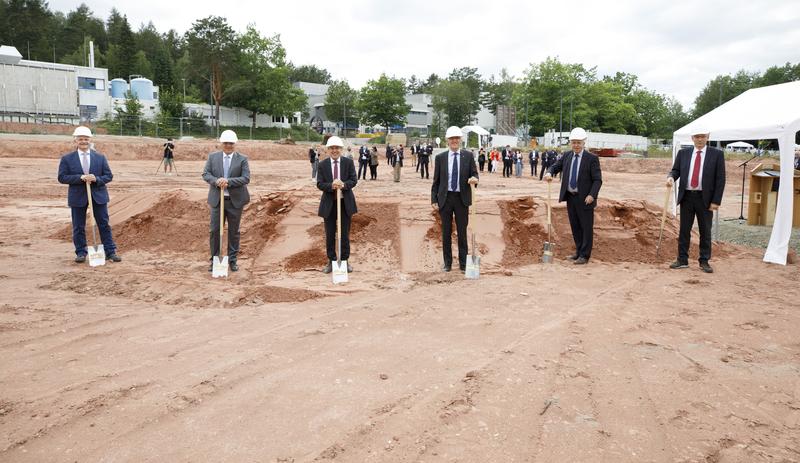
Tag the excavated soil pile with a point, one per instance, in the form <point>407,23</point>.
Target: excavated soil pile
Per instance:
<point>374,235</point>
<point>178,225</point>
<point>624,231</point>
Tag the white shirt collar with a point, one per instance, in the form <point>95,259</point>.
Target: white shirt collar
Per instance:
<point>84,152</point>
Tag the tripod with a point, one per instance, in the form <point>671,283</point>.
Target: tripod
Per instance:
<point>744,168</point>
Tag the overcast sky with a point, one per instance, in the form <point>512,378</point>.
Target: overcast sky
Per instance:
<point>675,47</point>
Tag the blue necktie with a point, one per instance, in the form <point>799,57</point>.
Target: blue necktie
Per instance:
<point>454,174</point>
<point>573,176</point>
<point>226,166</point>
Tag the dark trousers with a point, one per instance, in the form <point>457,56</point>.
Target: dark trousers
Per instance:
<point>79,229</point>
<point>423,169</point>
<point>233,217</point>
<point>362,167</point>
<point>533,169</point>
<point>480,165</point>
<point>541,172</point>
<point>330,235</point>
<point>373,171</point>
<point>581,220</point>
<point>506,169</point>
<point>692,206</point>
<point>454,206</point>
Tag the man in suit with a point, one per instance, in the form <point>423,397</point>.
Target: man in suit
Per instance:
<point>507,161</point>
<point>229,170</point>
<point>397,162</point>
<point>423,159</point>
<point>76,169</point>
<point>580,185</point>
<point>545,164</point>
<point>453,173</point>
<point>336,173</point>
<point>533,158</point>
<point>701,171</point>
<point>363,161</point>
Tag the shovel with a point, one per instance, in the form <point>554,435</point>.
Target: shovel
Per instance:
<point>220,266</point>
<point>473,270</point>
<point>97,254</point>
<point>663,219</point>
<point>549,246</point>
<point>339,267</point>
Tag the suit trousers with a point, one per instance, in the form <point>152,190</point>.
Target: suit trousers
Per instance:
<point>507,168</point>
<point>314,166</point>
<point>581,221</point>
<point>454,206</point>
<point>542,171</point>
<point>362,169</point>
<point>233,217</point>
<point>533,169</point>
<point>330,234</point>
<point>423,170</point>
<point>103,226</point>
<point>692,206</point>
<point>373,171</point>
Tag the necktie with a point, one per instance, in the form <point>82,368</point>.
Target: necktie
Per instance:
<point>573,176</point>
<point>226,166</point>
<point>454,174</point>
<point>335,170</point>
<point>85,162</point>
<point>696,171</point>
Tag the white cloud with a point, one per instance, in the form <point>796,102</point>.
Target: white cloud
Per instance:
<point>675,47</point>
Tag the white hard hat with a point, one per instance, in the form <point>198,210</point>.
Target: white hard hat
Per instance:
<point>82,131</point>
<point>578,134</point>
<point>228,136</point>
<point>700,130</point>
<point>335,141</point>
<point>453,132</point>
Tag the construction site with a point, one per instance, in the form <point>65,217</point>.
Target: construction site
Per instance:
<point>151,359</point>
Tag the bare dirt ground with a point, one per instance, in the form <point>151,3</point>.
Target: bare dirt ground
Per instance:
<point>622,360</point>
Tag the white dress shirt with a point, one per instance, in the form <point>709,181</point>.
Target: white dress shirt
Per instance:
<point>450,171</point>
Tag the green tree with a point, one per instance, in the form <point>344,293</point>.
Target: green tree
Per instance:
<point>121,52</point>
<point>141,65</point>
<point>383,102</point>
<point>213,51</point>
<point>27,24</point>
<point>779,75</point>
<point>472,80</point>
<point>170,103</point>
<point>453,102</point>
<point>130,112</point>
<point>498,93</point>
<point>309,73</point>
<point>341,102</point>
<point>81,23</point>
<point>722,89</point>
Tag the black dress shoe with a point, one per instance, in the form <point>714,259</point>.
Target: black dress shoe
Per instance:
<point>234,267</point>
<point>114,258</point>
<point>446,268</point>
<point>80,259</point>
<point>580,261</point>
<point>349,268</point>
<point>678,264</point>
<point>706,268</point>
<point>327,268</point>
<point>572,257</point>
<point>210,267</point>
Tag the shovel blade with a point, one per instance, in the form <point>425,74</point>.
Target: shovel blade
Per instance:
<point>219,268</point>
<point>473,269</point>
<point>96,255</point>
<point>339,272</point>
<point>547,255</point>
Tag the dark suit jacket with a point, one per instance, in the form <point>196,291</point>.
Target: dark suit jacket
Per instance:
<point>713,182</point>
<point>589,176</point>
<point>70,171</point>
<point>347,172</point>
<point>238,178</point>
<point>467,169</point>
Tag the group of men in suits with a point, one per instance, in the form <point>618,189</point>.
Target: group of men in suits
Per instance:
<point>699,169</point>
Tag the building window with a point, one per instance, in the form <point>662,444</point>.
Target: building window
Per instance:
<point>90,83</point>
<point>88,112</point>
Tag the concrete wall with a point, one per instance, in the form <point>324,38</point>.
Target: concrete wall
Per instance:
<point>37,90</point>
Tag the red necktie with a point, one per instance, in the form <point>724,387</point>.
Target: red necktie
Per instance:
<point>335,170</point>
<point>696,171</point>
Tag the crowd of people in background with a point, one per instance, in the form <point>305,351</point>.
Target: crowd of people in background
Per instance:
<point>512,160</point>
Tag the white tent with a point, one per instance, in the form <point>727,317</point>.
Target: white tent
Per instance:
<point>760,113</point>
<point>739,144</point>
<point>478,130</point>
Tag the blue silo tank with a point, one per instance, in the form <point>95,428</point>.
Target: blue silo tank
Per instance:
<point>118,88</point>
<point>142,88</point>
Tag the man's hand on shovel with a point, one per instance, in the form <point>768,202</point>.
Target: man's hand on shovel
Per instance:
<point>89,178</point>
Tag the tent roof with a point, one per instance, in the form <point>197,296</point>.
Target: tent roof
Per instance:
<point>759,113</point>
<point>740,144</point>
<point>474,128</point>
